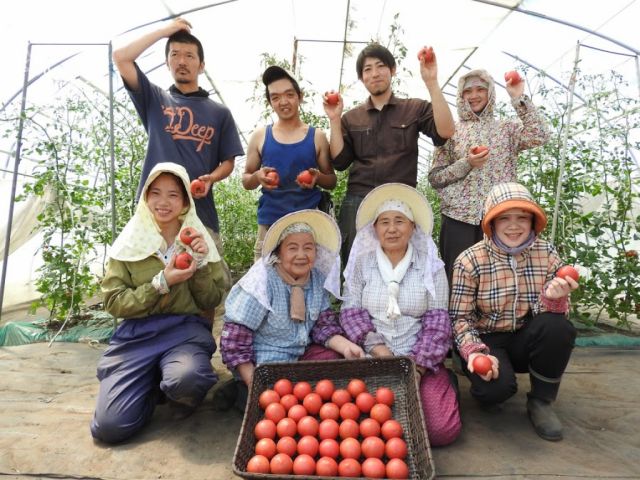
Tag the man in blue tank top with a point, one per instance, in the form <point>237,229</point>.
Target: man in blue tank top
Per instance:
<point>278,154</point>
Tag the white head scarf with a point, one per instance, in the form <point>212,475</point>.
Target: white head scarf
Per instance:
<point>141,238</point>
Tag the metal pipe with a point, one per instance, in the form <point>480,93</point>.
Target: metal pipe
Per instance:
<point>344,44</point>
<point>112,145</point>
<point>14,182</point>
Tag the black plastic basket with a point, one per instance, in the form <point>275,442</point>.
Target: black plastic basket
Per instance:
<point>397,373</point>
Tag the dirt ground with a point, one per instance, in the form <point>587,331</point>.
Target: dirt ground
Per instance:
<point>48,397</point>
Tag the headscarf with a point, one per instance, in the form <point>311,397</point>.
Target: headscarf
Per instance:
<point>141,237</point>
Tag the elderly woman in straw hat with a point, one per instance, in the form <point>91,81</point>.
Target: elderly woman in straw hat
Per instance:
<point>396,296</point>
<point>280,311</point>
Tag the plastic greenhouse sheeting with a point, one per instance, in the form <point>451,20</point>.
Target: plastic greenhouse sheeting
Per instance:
<point>98,329</point>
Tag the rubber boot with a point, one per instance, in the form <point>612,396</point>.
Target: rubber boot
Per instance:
<point>544,420</point>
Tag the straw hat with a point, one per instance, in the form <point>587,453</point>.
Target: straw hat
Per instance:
<point>324,227</point>
<point>419,205</point>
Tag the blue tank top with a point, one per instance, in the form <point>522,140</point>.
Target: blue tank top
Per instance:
<point>289,159</point>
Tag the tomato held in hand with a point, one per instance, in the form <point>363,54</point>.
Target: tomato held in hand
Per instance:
<point>426,54</point>
<point>333,97</point>
<point>273,178</point>
<point>197,187</point>
<point>513,76</point>
<point>186,235</point>
<point>479,149</point>
<point>482,365</point>
<point>568,271</point>
<point>183,261</point>
<point>258,464</point>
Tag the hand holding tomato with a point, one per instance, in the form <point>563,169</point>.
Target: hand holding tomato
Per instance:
<point>268,178</point>
<point>178,271</point>
<point>515,85</point>
<point>563,284</point>
<point>198,188</point>
<point>198,244</point>
<point>332,103</point>
<point>477,365</point>
<point>307,178</point>
<point>332,97</point>
<point>478,156</point>
<point>428,65</point>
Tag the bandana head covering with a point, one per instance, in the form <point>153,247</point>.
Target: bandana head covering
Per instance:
<point>141,237</point>
<point>394,206</point>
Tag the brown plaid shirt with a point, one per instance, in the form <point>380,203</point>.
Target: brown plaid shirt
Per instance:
<point>493,291</point>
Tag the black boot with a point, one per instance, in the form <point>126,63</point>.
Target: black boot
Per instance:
<point>543,392</point>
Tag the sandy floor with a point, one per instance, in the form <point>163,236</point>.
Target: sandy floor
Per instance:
<point>48,397</point>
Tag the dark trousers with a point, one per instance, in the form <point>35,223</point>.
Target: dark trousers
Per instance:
<point>347,224</point>
<point>543,345</point>
<point>455,238</point>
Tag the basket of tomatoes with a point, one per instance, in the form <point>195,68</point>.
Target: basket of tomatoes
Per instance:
<point>334,419</point>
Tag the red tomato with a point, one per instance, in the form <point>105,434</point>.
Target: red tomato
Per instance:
<point>390,429</point>
<point>273,178</point>
<point>568,271</point>
<point>349,467</point>
<point>287,427</point>
<point>369,428</point>
<point>349,410</point>
<point>385,395</point>
<point>479,149</point>
<point>308,425</point>
<point>288,401</point>
<point>197,187</point>
<point>350,448</point>
<point>305,177</point>
<point>356,386</point>
<point>281,463</point>
<point>297,412</point>
<point>304,465</point>
<point>396,448</point>
<point>186,235</point>
<point>380,412</point>
<point>426,54</point>
<point>340,397</point>
<point>183,261</point>
<point>275,412</point>
<point>481,365</point>
<point>325,388</point>
<point>301,390</point>
<point>372,447</point>
<point>365,401</point>
<point>265,428</point>
<point>328,428</point>
<point>287,445</point>
<point>312,402</point>
<point>373,468</point>
<point>258,464</point>
<point>266,447</point>
<point>283,387</point>
<point>513,76</point>
<point>326,467</point>
<point>333,97</point>
<point>329,410</point>
<point>308,445</point>
<point>267,397</point>
<point>349,429</point>
<point>396,468</point>
<point>329,448</point>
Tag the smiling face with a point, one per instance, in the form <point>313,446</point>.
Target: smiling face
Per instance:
<point>284,99</point>
<point>394,231</point>
<point>513,226</point>
<point>297,254</point>
<point>166,198</point>
<point>478,97</point>
<point>376,76</point>
<point>185,65</point>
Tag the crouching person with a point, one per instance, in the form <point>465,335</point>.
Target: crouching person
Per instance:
<point>280,311</point>
<point>508,304</point>
<point>163,348</point>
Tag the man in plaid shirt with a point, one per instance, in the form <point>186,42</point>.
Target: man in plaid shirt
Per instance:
<point>508,304</point>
